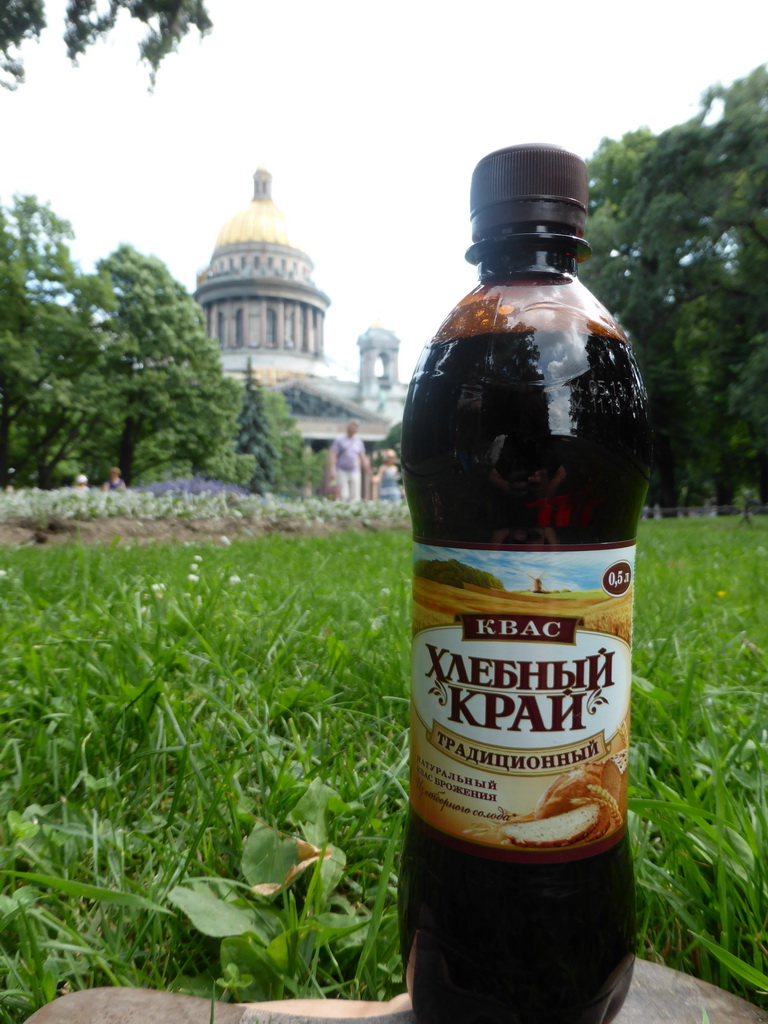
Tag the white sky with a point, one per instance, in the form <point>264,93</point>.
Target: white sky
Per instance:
<point>370,118</point>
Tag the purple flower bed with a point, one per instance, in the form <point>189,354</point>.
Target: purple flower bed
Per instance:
<point>197,484</point>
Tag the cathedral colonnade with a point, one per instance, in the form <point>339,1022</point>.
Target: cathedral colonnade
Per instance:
<point>266,323</point>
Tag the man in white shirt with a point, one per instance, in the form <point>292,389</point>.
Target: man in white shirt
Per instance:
<point>346,464</point>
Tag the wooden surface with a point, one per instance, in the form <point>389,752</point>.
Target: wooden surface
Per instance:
<point>657,996</point>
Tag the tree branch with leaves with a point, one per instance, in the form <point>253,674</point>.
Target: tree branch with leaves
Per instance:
<point>167,21</point>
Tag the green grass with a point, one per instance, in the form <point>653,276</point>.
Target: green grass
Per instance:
<point>166,739</point>
<point>700,749</point>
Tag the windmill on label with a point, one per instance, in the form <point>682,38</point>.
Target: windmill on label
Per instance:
<point>537,587</point>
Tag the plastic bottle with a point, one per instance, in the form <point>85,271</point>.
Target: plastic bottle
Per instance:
<point>525,455</point>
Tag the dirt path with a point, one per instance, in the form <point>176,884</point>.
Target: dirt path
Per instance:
<point>126,531</point>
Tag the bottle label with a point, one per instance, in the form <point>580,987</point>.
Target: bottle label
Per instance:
<point>520,697</point>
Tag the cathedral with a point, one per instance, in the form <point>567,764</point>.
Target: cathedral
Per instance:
<point>262,306</point>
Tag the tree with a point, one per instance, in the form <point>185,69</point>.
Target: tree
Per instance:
<point>741,218</point>
<point>297,467</point>
<point>254,435</point>
<point>102,368</point>
<point>168,23</point>
<point>393,438</point>
<point>679,226</point>
<point>635,271</point>
<point>52,346</point>
<point>172,408</point>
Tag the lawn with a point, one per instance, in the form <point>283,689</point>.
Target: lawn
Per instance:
<point>204,762</point>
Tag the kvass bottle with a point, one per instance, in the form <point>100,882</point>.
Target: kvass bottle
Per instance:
<point>525,456</point>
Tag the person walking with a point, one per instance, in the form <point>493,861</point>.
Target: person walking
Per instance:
<point>387,477</point>
<point>346,464</point>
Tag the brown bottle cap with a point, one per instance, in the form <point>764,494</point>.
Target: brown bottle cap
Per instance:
<point>534,184</point>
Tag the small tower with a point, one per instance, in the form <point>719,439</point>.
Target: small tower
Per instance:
<point>262,184</point>
<point>379,350</point>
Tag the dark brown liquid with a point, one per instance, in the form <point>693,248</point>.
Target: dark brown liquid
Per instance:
<point>497,449</point>
<point>521,437</point>
<point>494,943</point>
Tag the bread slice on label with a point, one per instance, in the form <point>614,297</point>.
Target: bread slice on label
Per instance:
<point>559,830</point>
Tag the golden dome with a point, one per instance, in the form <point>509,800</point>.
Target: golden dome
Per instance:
<point>261,221</point>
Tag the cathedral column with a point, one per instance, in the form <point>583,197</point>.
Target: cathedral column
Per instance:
<point>262,324</point>
<point>230,324</point>
<point>306,338</point>
<point>224,311</point>
<point>290,325</point>
<point>253,323</point>
<point>320,332</point>
<point>280,326</point>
